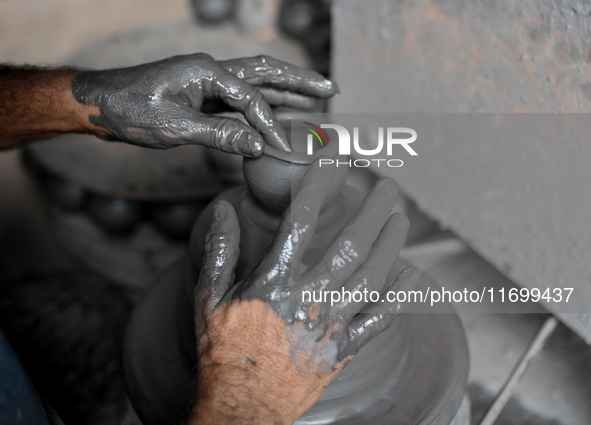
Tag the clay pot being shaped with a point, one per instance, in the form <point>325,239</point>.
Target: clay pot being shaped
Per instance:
<point>274,177</point>
<point>413,373</point>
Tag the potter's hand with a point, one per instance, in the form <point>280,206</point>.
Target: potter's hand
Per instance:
<point>265,355</point>
<point>164,104</point>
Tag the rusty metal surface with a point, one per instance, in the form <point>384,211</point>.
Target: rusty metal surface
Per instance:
<point>463,56</point>
<point>484,56</point>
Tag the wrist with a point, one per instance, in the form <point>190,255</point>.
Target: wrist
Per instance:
<point>225,395</point>
<point>254,378</point>
<point>82,110</point>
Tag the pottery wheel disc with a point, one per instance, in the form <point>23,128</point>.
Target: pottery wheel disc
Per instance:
<point>420,362</point>
<point>120,170</point>
<point>423,355</point>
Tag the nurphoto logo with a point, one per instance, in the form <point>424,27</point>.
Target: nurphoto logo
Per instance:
<point>344,140</point>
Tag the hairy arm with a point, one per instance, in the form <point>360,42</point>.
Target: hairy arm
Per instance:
<point>160,104</point>
<point>37,103</point>
<point>246,371</point>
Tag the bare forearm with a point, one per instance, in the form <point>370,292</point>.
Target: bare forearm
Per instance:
<point>236,391</point>
<point>239,399</point>
<point>245,380</point>
<point>226,409</point>
<point>37,103</point>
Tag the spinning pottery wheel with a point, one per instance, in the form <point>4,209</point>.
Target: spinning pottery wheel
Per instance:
<point>413,373</point>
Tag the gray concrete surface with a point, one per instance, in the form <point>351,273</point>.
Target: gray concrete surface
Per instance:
<point>556,388</point>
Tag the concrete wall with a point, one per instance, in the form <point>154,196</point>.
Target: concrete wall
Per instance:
<point>524,206</point>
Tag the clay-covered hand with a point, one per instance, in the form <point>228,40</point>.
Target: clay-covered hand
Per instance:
<point>165,103</point>
<point>266,351</point>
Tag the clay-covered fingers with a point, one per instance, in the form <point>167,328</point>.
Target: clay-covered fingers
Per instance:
<point>287,98</point>
<point>225,134</point>
<point>299,221</point>
<point>353,244</point>
<point>273,97</point>
<point>270,72</point>
<point>221,253</point>
<point>372,274</point>
<point>243,97</point>
<point>376,317</point>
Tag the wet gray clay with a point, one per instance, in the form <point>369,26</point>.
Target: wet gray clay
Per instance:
<point>419,364</point>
